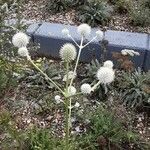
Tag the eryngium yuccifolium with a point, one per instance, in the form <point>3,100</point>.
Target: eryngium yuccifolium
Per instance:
<point>84,30</point>
<point>65,32</point>
<point>77,105</point>
<point>71,90</point>
<point>68,52</point>
<point>20,40</point>
<point>70,76</point>
<point>57,99</point>
<point>108,64</point>
<point>99,35</point>
<point>86,88</point>
<point>105,75</point>
<point>23,52</point>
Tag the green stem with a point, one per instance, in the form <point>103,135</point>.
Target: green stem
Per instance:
<point>70,107</point>
<point>75,69</point>
<point>67,127</point>
<point>80,93</point>
<point>90,41</point>
<point>44,74</point>
<point>67,81</point>
<point>96,85</point>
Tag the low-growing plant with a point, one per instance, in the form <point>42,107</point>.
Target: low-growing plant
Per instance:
<point>95,12</point>
<point>9,2</point>
<point>6,76</point>
<point>40,139</point>
<point>139,15</point>
<point>135,89</point>
<point>102,91</point>
<point>106,132</point>
<point>8,63</point>
<point>56,6</point>
<point>122,6</point>
<point>68,53</point>
<point>11,137</point>
<point>146,3</point>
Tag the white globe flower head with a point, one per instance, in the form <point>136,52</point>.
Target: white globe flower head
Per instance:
<point>57,99</point>
<point>65,32</point>
<point>71,90</point>
<point>70,76</point>
<point>99,35</point>
<point>77,105</point>
<point>20,40</point>
<point>108,64</point>
<point>68,52</point>
<point>86,88</point>
<point>84,30</point>
<point>105,75</point>
<point>23,52</point>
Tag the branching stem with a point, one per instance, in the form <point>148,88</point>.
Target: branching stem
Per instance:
<point>44,74</point>
<point>77,62</point>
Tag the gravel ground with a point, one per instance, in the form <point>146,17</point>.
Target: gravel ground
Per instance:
<point>36,11</point>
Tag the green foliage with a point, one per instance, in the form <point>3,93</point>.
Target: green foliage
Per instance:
<point>39,139</point>
<point>12,138</point>
<point>135,88</point>
<point>56,6</point>
<point>106,132</point>
<point>91,70</point>
<point>53,70</point>
<point>103,91</point>
<point>7,51</point>
<point>139,15</point>
<point>122,6</point>
<point>6,75</point>
<point>42,139</point>
<point>9,2</point>
<point>95,12</point>
<point>146,3</point>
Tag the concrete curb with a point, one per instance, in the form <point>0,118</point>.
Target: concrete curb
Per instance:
<point>51,39</point>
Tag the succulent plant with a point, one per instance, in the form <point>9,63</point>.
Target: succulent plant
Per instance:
<point>56,6</point>
<point>95,12</point>
<point>135,89</point>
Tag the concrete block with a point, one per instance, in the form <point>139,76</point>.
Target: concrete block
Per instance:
<point>51,40</point>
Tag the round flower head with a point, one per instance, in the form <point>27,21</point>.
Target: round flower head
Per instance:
<point>70,76</point>
<point>86,88</point>
<point>77,105</point>
<point>20,40</point>
<point>68,52</point>
<point>65,32</point>
<point>23,52</point>
<point>99,34</point>
<point>57,99</point>
<point>105,75</point>
<point>108,64</point>
<point>84,30</point>
<point>71,90</point>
